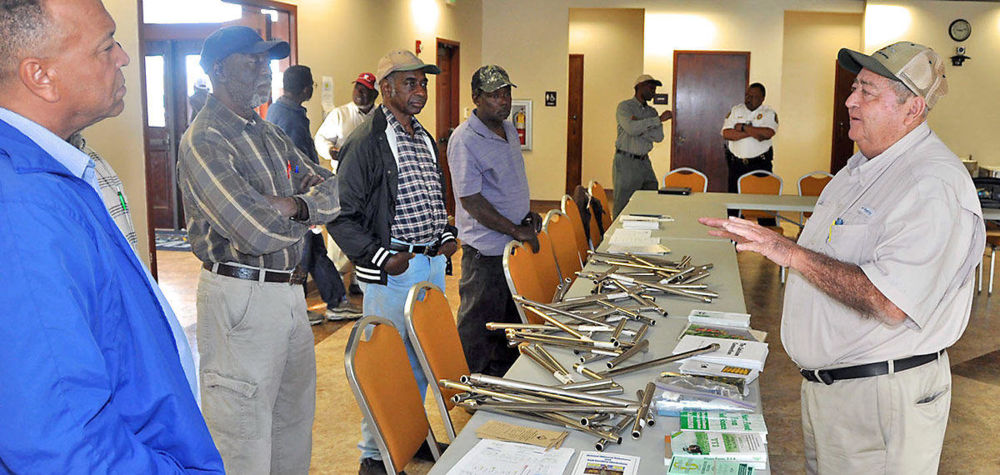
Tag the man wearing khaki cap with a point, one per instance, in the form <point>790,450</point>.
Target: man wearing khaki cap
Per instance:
<point>491,186</point>
<point>638,127</point>
<point>393,224</point>
<point>881,277</point>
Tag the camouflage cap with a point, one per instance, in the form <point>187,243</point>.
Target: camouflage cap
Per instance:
<point>916,66</point>
<point>489,78</point>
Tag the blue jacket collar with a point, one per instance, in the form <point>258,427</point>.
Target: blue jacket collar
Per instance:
<point>26,156</point>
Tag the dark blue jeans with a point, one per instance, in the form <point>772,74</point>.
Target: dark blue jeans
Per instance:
<point>324,273</point>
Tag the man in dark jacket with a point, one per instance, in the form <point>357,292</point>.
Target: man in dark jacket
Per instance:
<point>393,223</point>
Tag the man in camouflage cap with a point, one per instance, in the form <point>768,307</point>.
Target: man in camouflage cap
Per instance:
<point>490,184</point>
<point>881,279</point>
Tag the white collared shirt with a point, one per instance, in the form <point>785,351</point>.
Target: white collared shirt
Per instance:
<point>911,220</point>
<point>335,129</point>
<point>749,147</point>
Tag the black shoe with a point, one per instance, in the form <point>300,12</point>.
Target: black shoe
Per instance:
<point>373,467</point>
<point>424,452</point>
<point>355,289</point>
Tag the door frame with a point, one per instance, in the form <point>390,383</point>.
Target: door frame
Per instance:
<point>444,119</point>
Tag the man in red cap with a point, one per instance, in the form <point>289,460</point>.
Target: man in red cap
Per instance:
<point>342,120</point>
<point>329,138</point>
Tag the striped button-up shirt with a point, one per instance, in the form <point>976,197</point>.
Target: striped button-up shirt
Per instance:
<point>227,165</point>
<point>638,127</point>
<point>420,212</point>
<point>112,190</point>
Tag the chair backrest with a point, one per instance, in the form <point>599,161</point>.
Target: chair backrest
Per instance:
<point>434,335</point>
<point>533,276</point>
<point>685,176</point>
<point>759,182</point>
<point>572,213</point>
<point>597,193</point>
<point>560,231</point>
<point>379,373</point>
<point>812,184</point>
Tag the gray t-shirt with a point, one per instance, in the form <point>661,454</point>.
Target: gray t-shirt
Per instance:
<point>483,162</point>
<point>910,218</point>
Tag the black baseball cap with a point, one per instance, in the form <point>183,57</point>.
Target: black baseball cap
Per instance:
<point>238,39</point>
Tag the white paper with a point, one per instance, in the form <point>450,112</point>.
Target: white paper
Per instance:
<point>593,462</point>
<point>326,94</point>
<point>507,458</point>
<point>633,237</point>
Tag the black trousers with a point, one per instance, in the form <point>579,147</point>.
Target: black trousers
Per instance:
<point>325,275</point>
<point>739,167</point>
<point>485,297</point>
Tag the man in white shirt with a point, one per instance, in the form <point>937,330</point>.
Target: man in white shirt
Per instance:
<point>881,278</point>
<point>342,120</point>
<point>748,130</point>
<point>331,136</point>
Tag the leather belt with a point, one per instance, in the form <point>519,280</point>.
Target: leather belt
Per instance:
<point>430,250</point>
<point>631,155</point>
<point>828,376</point>
<point>250,273</point>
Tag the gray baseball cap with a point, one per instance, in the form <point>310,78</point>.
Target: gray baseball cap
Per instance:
<point>402,60</point>
<point>489,78</point>
<point>918,67</point>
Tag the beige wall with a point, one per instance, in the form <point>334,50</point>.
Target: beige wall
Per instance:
<point>530,40</point>
<point>343,38</point>
<point>611,41</point>
<point>966,118</point>
<point>119,139</point>
<point>811,43</point>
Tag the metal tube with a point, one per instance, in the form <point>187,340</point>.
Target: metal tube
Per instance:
<point>625,422</point>
<point>548,356</point>
<point>660,361</point>
<point>629,313</point>
<point>608,391</point>
<point>641,300</point>
<point>477,378</point>
<point>617,333</point>
<point>580,368</point>
<point>582,346</point>
<point>560,407</point>
<point>560,374</point>
<point>639,335</point>
<point>558,311</point>
<point>640,416</point>
<point>628,354</point>
<point>562,326</point>
<point>605,345</point>
<point>590,384</point>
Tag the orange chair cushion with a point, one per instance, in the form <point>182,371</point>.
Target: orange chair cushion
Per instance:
<point>560,232</point>
<point>685,178</point>
<point>437,333</point>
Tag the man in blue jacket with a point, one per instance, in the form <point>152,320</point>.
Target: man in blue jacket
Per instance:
<point>92,379</point>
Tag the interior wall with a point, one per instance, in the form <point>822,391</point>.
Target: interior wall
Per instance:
<point>810,46</point>
<point>966,116</point>
<point>611,40</point>
<point>343,38</point>
<point>530,39</point>
<point>119,139</point>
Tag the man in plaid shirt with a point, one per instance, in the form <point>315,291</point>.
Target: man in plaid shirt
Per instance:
<point>393,223</point>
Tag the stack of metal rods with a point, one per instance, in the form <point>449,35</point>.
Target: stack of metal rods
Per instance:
<point>577,406</point>
<point>637,275</point>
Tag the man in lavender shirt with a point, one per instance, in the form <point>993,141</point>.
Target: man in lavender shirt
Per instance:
<point>487,173</point>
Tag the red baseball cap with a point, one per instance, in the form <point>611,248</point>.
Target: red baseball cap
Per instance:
<point>367,80</point>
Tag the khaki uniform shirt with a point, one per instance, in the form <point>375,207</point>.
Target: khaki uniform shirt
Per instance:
<point>910,218</point>
<point>636,136</point>
<point>749,147</point>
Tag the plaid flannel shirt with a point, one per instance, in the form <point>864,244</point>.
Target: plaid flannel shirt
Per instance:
<point>420,212</point>
<point>226,167</point>
<point>112,189</point>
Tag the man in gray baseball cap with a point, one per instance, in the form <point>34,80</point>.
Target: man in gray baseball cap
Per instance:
<point>881,279</point>
<point>490,183</point>
<point>393,220</point>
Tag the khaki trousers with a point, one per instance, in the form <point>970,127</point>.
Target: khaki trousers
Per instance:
<point>892,424</point>
<point>258,373</point>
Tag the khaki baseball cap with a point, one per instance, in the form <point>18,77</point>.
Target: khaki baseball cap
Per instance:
<point>918,67</point>
<point>489,78</point>
<point>402,60</point>
<point>646,78</point>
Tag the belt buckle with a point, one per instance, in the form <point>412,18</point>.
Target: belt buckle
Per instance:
<point>431,250</point>
<point>823,376</point>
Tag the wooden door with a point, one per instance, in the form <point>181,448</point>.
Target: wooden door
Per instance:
<point>842,147</point>
<point>574,124</point>
<point>448,117</point>
<point>707,84</point>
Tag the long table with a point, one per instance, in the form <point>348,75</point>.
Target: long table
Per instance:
<point>684,236</point>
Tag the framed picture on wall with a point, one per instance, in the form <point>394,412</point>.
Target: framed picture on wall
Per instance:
<point>520,115</point>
